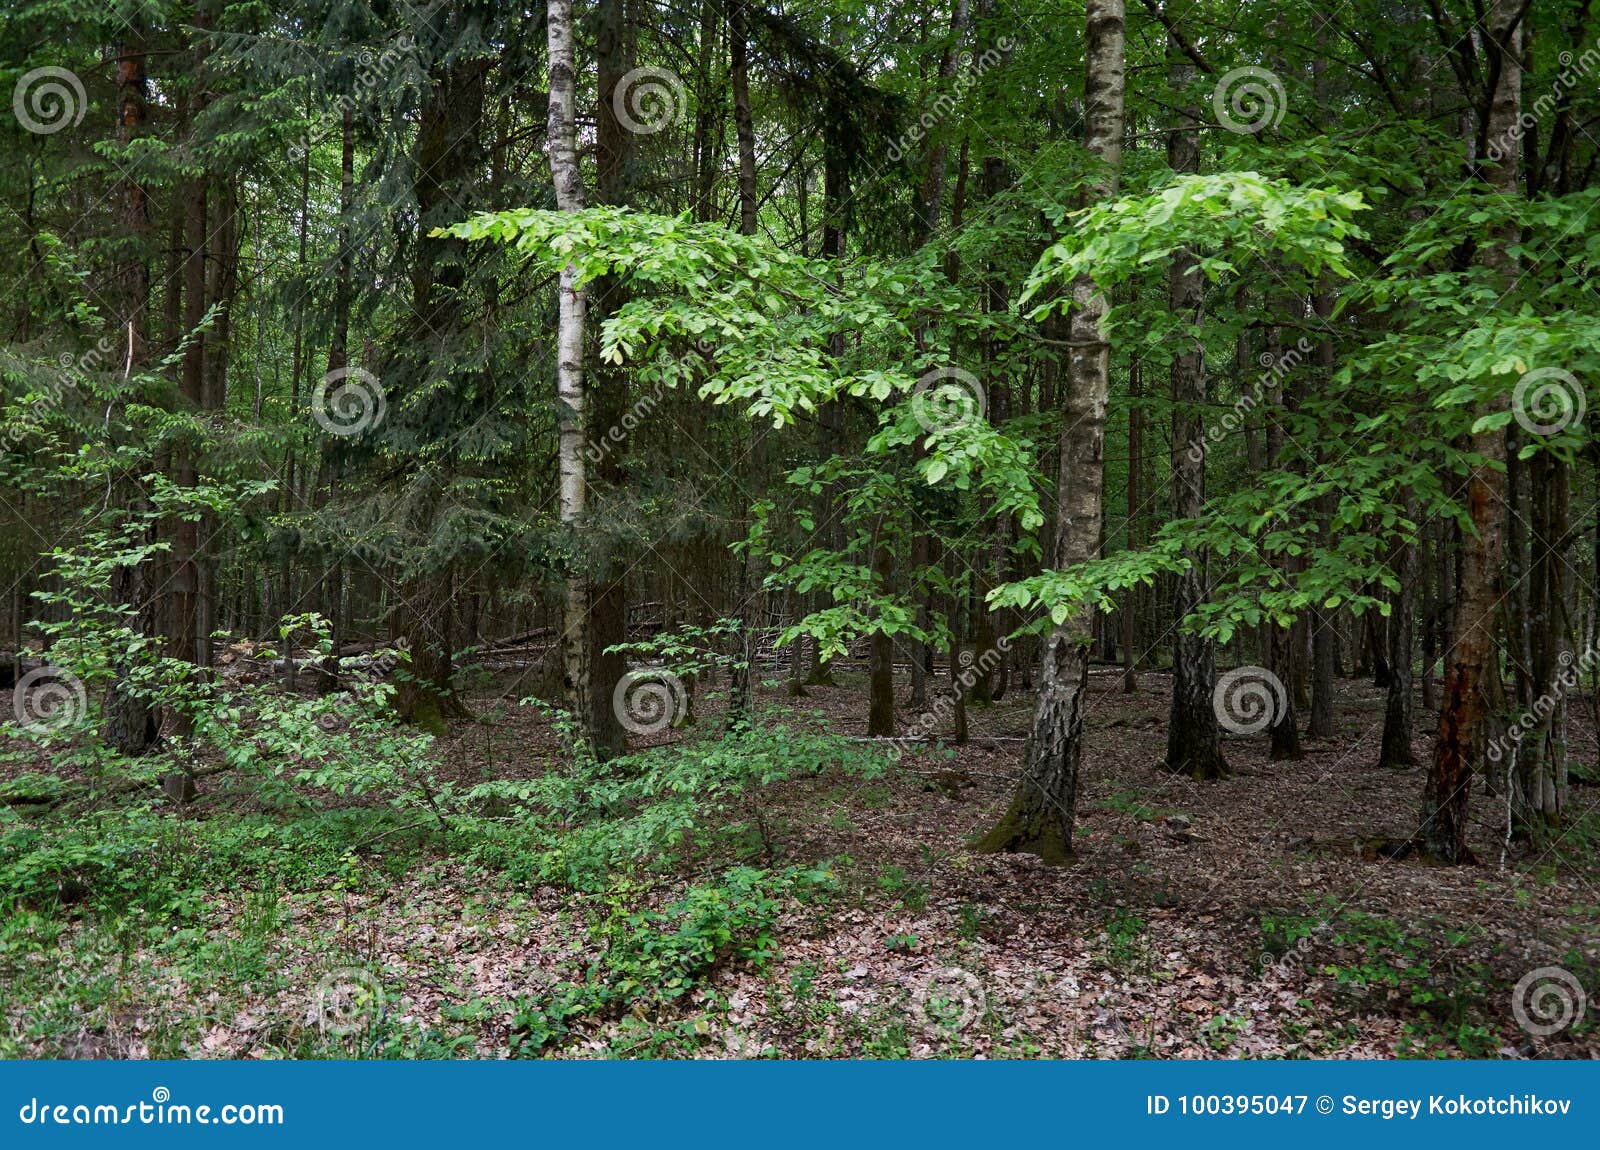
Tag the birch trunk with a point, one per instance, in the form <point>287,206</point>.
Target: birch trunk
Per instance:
<point>568,180</point>
<point>1043,809</point>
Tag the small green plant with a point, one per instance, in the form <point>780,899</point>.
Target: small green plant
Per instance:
<point>894,882</point>
<point>1126,946</point>
<point>971,923</point>
<point>1223,1030</point>
<point>1132,804</point>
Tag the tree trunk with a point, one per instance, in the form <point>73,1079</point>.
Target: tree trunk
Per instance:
<point>1445,799</point>
<point>568,179</point>
<point>184,637</point>
<point>741,695</point>
<point>1040,818</point>
<point>1193,742</point>
<point>1324,635</point>
<point>1395,747</point>
<point>332,463</point>
<point>743,123</point>
<point>707,155</point>
<point>1285,730</point>
<point>608,399</point>
<point>880,703</point>
<point>129,721</point>
<point>1135,536</point>
<point>1539,784</point>
<point>1429,572</point>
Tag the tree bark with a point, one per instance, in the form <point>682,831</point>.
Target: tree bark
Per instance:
<point>1395,747</point>
<point>1324,636</point>
<point>1447,794</point>
<point>608,399</point>
<point>880,707</point>
<point>1043,809</point>
<point>743,122</point>
<point>1539,784</point>
<point>1129,622</point>
<point>129,721</point>
<point>1193,741</point>
<point>568,180</point>
<point>741,694</point>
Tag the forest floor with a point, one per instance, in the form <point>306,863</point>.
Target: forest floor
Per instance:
<point>1252,917</point>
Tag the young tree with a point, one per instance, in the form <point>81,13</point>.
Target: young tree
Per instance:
<point>562,146</point>
<point>1041,815</point>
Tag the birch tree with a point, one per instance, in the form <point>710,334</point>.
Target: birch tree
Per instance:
<point>1040,818</point>
<point>568,179</point>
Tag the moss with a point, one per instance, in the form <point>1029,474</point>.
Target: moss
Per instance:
<point>422,710</point>
<point>1024,832</point>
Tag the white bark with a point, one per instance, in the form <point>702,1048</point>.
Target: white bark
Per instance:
<point>1043,810</point>
<point>565,173</point>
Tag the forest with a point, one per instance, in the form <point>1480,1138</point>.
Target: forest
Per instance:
<point>800,529</point>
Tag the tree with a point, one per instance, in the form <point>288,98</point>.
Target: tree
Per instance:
<point>1193,746</point>
<point>568,180</point>
<point>1460,735</point>
<point>1040,817</point>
